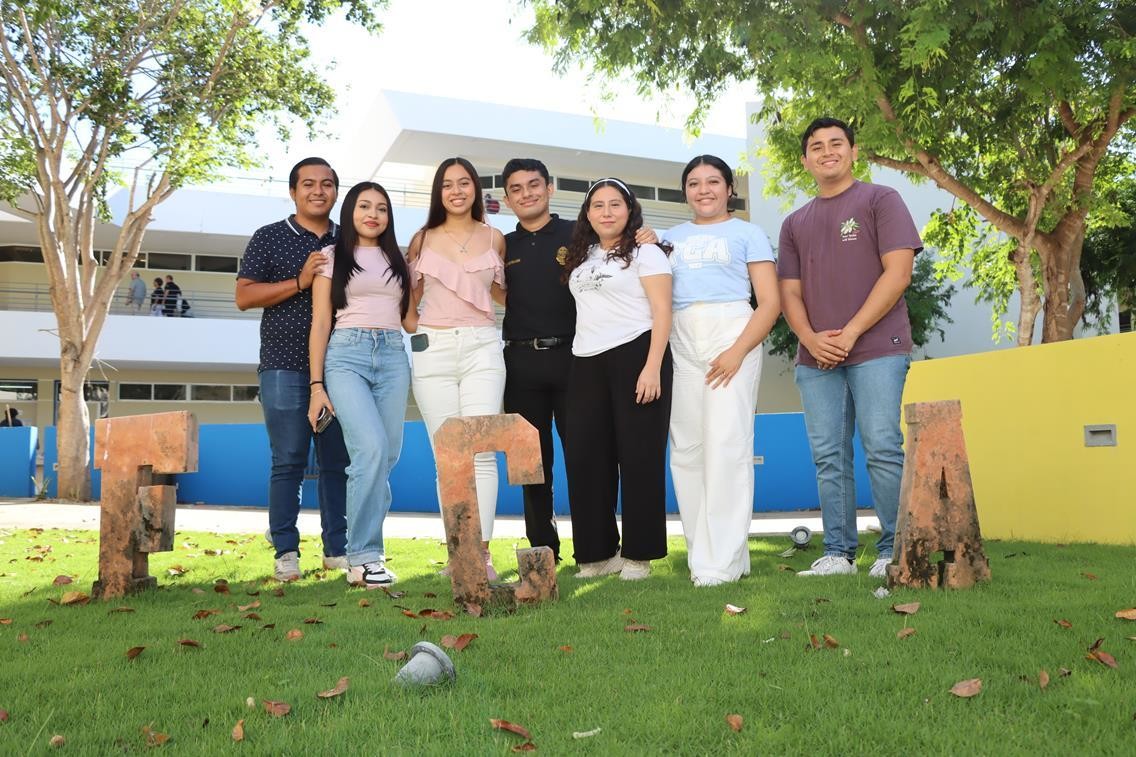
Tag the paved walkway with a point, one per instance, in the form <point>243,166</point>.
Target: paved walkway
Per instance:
<point>24,513</point>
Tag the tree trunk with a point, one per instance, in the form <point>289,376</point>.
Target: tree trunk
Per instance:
<point>72,432</point>
<point>1064,288</point>
<point>1027,287</point>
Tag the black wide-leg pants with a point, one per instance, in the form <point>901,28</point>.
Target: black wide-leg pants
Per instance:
<point>615,447</point>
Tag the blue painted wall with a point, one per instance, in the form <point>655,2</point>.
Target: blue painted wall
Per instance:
<point>50,458</point>
<point>17,461</point>
<point>235,464</point>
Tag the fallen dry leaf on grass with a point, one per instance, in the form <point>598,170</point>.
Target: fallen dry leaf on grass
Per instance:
<point>277,709</point>
<point>224,628</point>
<point>62,580</point>
<point>831,642</point>
<point>176,570</point>
<point>473,609</point>
<point>154,738</point>
<point>190,643</point>
<point>202,614</point>
<point>294,635</point>
<point>335,691</point>
<point>409,613</point>
<point>1063,623</point>
<point>909,608</point>
<point>968,688</point>
<point>735,722</point>
<point>23,637</point>
<point>3,715</point>
<point>252,606</point>
<point>364,603</point>
<point>196,590</point>
<point>436,614</point>
<point>734,610</point>
<point>1089,576</point>
<point>278,592</point>
<point>786,568</point>
<point>44,624</point>
<point>393,594</point>
<point>1129,614</point>
<point>1042,679</point>
<point>637,627</point>
<point>133,652</point>
<point>5,621</point>
<point>812,642</point>
<point>525,746</point>
<point>903,633</point>
<point>251,616</point>
<point>74,598</point>
<point>566,648</point>
<point>393,656</point>
<point>1064,672</point>
<point>239,731</point>
<point>505,725</point>
<point>458,643</point>
<point>221,586</point>
<point>312,621</point>
<point>57,741</point>
<point>1101,656</point>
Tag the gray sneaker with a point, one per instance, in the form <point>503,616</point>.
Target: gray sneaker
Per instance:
<point>338,562</point>
<point>879,567</point>
<point>288,567</point>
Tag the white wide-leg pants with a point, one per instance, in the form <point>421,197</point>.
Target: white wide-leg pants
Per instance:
<point>711,435</point>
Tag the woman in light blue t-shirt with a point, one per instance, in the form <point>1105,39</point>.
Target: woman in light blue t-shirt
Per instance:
<point>716,343</point>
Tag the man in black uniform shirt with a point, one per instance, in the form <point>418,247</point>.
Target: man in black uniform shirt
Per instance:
<point>540,322</point>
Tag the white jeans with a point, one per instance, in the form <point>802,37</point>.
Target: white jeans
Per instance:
<point>711,438</point>
<point>462,373</point>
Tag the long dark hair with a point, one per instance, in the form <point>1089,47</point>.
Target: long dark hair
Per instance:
<point>714,162</point>
<point>437,215</point>
<point>584,236</point>
<point>345,266</point>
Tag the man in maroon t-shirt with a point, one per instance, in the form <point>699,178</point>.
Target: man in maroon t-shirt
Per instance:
<point>844,260</point>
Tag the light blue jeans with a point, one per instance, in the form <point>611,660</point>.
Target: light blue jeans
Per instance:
<point>368,378</point>
<point>866,396</point>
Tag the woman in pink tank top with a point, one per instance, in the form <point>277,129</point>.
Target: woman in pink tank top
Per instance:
<point>457,271</point>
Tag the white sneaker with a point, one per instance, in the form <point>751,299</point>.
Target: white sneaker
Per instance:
<point>288,567</point>
<point>635,570</point>
<point>830,565</point>
<point>706,581</point>
<point>879,567</point>
<point>339,562</point>
<point>370,575</point>
<point>613,564</point>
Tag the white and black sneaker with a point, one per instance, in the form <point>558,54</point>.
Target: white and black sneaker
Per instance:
<point>370,575</point>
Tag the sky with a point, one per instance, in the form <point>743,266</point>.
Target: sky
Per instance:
<point>474,50</point>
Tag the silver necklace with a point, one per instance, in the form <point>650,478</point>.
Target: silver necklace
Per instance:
<point>460,244</point>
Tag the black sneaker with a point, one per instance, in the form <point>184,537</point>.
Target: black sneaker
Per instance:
<point>370,575</point>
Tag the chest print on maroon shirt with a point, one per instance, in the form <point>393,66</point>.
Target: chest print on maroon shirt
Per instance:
<point>850,230</point>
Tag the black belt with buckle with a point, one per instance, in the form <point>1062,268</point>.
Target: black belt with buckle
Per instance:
<point>540,342</point>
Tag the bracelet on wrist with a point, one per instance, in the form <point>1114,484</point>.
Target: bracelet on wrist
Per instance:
<point>313,383</point>
<point>298,287</point>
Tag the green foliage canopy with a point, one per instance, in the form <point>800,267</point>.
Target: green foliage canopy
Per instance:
<point>1010,106</point>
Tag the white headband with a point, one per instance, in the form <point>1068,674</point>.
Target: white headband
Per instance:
<point>610,180</point>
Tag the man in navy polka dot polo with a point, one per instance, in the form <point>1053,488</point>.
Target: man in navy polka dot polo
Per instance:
<point>276,274</point>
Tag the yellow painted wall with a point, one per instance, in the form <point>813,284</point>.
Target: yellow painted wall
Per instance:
<point>1024,412</point>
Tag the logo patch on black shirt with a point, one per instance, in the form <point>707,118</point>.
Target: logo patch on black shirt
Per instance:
<point>562,255</point>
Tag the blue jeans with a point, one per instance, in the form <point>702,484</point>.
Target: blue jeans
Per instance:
<point>368,379</point>
<point>284,398</point>
<point>868,395</point>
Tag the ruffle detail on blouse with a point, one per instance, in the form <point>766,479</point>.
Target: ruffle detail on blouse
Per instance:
<point>456,277</point>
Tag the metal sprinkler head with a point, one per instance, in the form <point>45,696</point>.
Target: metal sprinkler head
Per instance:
<point>428,666</point>
<point>801,535</point>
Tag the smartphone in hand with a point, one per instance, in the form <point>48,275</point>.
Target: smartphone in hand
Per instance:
<point>323,420</point>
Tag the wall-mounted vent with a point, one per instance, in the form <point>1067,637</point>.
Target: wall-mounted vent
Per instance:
<point>1100,435</point>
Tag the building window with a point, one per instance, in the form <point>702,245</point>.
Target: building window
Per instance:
<point>169,261</point>
<point>96,392</point>
<point>14,253</point>
<point>1125,318</point>
<point>215,263</point>
<point>642,191</point>
<point>169,392</point>
<point>572,185</point>
<point>14,390</point>
<point>210,393</point>
<point>736,203</point>
<point>135,391</point>
<point>246,393</point>
<point>671,195</point>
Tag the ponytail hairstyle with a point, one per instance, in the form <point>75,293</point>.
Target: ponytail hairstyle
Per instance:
<point>344,265</point>
<point>584,236</point>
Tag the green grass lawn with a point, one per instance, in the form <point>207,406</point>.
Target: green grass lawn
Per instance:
<point>568,666</point>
